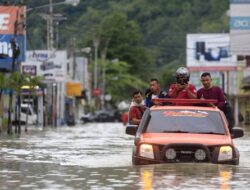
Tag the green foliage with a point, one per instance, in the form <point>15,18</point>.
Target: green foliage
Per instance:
<point>3,81</point>
<point>15,81</point>
<point>150,36</point>
<point>121,84</point>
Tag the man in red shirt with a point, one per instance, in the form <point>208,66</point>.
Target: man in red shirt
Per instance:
<point>182,89</point>
<point>136,109</point>
<point>211,92</point>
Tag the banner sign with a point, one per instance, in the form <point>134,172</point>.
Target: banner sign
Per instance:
<point>29,70</point>
<point>73,89</point>
<point>240,23</point>
<point>209,51</point>
<point>51,65</point>
<point>239,1</point>
<point>240,27</point>
<point>12,29</point>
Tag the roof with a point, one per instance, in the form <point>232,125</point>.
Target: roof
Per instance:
<point>185,107</point>
<point>174,103</point>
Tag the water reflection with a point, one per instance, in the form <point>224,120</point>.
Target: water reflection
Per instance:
<point>146,176</point>
<point>185,176</point>
<point>225,177</point>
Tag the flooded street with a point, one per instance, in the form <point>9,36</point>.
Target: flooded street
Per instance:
<point>98,156</point>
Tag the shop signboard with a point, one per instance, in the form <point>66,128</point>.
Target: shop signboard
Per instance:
<point>12,31</point>
<point>51,65</point>
<point>73,89</point>
<point>240,27</point>
<point>210,51</point>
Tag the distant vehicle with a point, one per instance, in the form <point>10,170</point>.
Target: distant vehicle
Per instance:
<point>32,116</point>
<point>49,65</point>
<point>70,121</point>
<point>89,117</point>
<point>172,134</point>
<point>100,116</point>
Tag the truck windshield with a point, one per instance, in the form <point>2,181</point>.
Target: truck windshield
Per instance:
<point>185,121</point>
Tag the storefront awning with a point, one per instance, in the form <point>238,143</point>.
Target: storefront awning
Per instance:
<point>246,80</point>
<point>245,83</point>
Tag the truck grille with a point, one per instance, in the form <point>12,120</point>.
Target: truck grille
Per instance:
<point>186,153</point>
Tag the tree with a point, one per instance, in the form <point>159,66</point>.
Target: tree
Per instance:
<point>120,38</point>
<point>16,81</point>
<point>3,85</point>
<point>121,84</point>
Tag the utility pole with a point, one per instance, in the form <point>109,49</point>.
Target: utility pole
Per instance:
<point>15,53</point>
<point>96,44</point>
<point>50,37</point>
<point>103,58</point>
<point>74,58</point>
<point>19,98</point>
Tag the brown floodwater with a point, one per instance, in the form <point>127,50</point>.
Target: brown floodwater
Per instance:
<point>98,156</point>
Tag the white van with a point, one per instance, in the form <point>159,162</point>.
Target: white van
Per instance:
<point>32,116</point>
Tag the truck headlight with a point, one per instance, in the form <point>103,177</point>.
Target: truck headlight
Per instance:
<point>225,153</point>
<point>146,150</point>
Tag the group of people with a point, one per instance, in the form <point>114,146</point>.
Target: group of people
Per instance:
<point>182,89</point>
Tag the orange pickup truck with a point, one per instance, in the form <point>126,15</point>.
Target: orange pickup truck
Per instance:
<point>189,131</point>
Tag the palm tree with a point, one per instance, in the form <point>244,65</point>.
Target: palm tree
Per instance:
<point>16,81</point>
<point>3,85</point>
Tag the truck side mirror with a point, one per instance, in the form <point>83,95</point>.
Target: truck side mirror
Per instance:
<point>237,132</point>
<point>131,129</point>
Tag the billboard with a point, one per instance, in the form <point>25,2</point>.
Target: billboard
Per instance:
<point>82,70</point>
<point>73,89</point>
<point>29,70</point>
<point>239,1</point>
<point>12,29</point>
<point>51,65</point>
<point>240,27</point>
<point>210,51</point>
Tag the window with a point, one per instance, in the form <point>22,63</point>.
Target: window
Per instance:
<point>190,121</point>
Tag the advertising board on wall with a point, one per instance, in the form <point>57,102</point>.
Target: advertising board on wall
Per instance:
<point>12,29</point>
<point>29,70</point>
<point>240,27</point>
<point>210,52</point>
<point>73,88</point>
<point>82,70</point>
<point>51,65</point>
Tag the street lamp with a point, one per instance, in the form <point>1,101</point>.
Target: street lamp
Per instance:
<point>72,2</point>
<point>67,2</point>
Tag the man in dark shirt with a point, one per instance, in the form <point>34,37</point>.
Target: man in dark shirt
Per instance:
<point>211,92</point>
<point>154,91</point>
